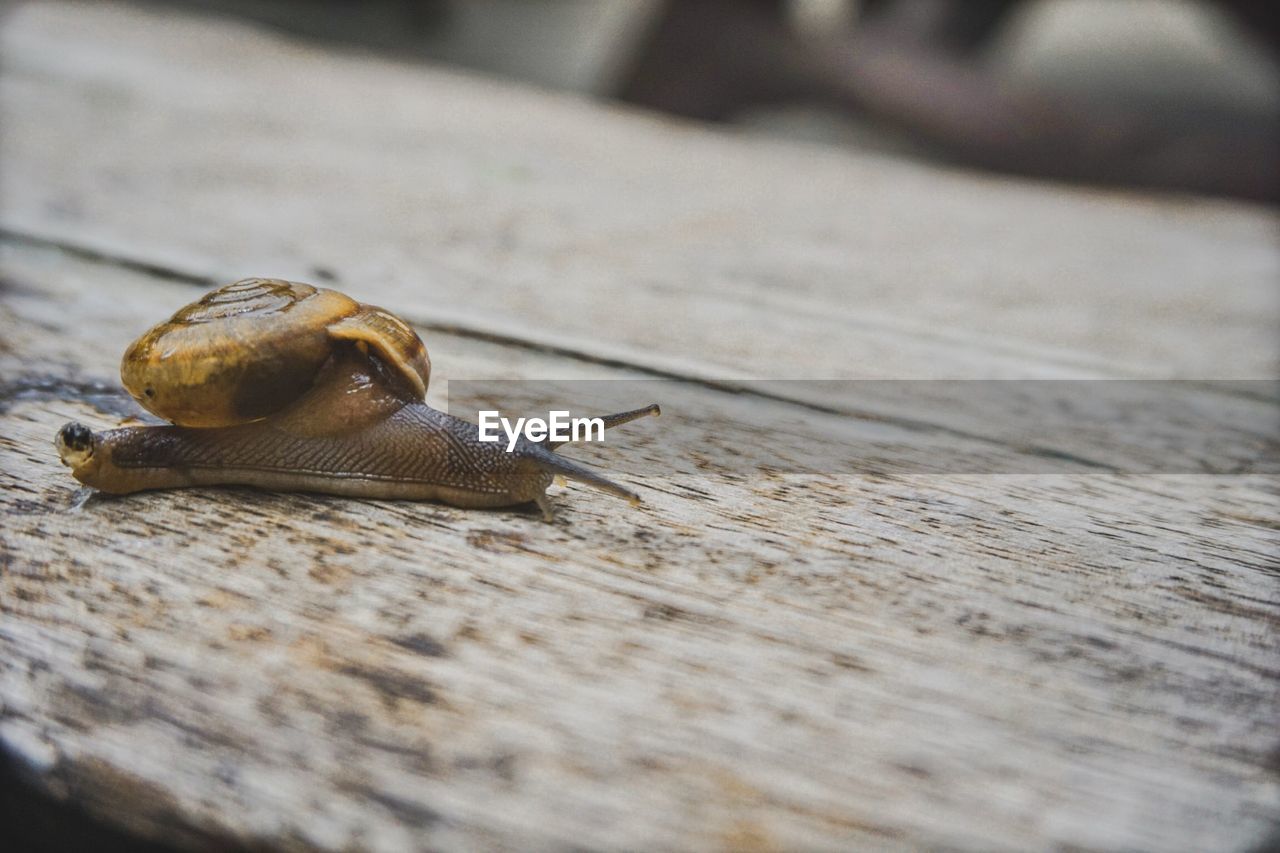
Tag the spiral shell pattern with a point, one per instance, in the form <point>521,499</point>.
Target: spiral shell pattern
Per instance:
<point>250,349</point>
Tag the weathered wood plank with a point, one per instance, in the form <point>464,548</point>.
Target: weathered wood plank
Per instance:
<point>767,654</point>
<point>785,661</point>
<point>227,152</point>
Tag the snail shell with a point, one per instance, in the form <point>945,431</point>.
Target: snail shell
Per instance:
<point>248,350</point>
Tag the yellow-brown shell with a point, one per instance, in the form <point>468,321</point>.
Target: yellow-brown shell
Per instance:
<point>249,349</point>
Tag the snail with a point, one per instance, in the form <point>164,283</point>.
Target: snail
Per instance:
<point>289,387</point>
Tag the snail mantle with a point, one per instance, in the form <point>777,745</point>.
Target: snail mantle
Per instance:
<point>288,387</point>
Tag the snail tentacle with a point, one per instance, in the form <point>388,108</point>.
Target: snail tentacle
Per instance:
<point>618,419</point>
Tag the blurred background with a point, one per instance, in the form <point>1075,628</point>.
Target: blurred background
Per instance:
<point>1170,94</point>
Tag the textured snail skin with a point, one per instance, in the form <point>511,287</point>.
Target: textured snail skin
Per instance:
<point>362,430</point>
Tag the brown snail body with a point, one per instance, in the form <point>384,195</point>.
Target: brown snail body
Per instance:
<point>288,387</point>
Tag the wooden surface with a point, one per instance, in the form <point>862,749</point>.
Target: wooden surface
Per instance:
<point>758,658</point>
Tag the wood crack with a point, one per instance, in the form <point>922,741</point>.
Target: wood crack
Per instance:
<point>729,387</point>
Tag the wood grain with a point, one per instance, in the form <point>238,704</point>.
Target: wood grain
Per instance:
<point>761,657</point>
<point>544,217</point>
